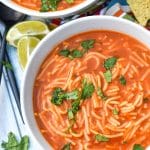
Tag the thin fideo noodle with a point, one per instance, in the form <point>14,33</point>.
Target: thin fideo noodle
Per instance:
<point>36,4</point>
<point>121,113</point>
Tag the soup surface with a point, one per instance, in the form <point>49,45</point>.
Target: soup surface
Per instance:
<point>92,92</point>
<point>48,5</point>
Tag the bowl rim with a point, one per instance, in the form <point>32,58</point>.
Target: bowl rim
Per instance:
<point>56,14</point>
<point>27,72</point>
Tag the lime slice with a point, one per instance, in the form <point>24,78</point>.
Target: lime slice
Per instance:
<point>26,28</point>
<point>25,47</point>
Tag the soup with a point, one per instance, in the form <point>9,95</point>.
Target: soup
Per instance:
<point>92,92</point>
<point>48,5</point>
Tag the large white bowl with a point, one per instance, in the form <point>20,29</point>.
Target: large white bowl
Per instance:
<point>55,37</point>
<point>56,14</point>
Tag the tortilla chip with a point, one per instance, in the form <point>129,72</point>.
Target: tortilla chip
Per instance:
<point>141,10</point>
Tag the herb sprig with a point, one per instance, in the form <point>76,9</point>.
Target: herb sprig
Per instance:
<point>108,65</point>
<point>101,138</point>
<point>108,76</point>
<point>58,96</point>
<point>75,106</point>
<point>13,144</point>
<point>75,53</point>
<point>87,90</point>
<point>48,5</point>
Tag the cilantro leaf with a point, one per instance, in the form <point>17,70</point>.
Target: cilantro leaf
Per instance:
<point>122,80</point>
<point>53,4</point>
<point>71,54</point>
<point>24,144</point>
<point>115,111</point>
<point>13,144</point>
<point>66,146</point>
<point>44,6</point>
<point>12,141</point>
<point>64,52</point>
<point>110,62</point>
<point>76,53</point>
<point>49,5</point>
<point>70,114</point>
<point>87,90</point>
<point>137,147</point>
<point>58,96</point>
<point>108,76</point>
<point>101,138</point>
<point>75,106</point>
<point>72,95</point>
<point>101,94</point>
<point>87,44</point>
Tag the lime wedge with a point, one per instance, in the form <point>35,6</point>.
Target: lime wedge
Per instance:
<point>26,28</point>
<point>25,47</point>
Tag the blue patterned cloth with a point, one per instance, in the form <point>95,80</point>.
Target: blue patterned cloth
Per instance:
<point>10,119</point>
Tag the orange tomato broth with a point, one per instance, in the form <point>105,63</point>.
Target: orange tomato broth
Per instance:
<point>36,4</point>
<point>95,116</point>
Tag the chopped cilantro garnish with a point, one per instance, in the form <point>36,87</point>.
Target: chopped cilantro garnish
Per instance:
<point>64,52</point>
<point>59,96</point>
<point>110,62</point>
<point>101,138</point>
<point>101,94</point>
<point>13,143</point>
<point>76,53</point>
<point>75,106</point>
<point>72,95</point>
<point>71,54</point>
<point>108,65</point>
<point>87,90</point>
<point>66,146</point>
<point>53,4</point>
<point>74,109</point>
<point>122,80</point>
<point>87,44</point>
<point>49,5</point>
<point>137,147</point>
<point>70,114</point>
<point>115,111</point>
<point>108,76</point>
<point>44,6</point>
